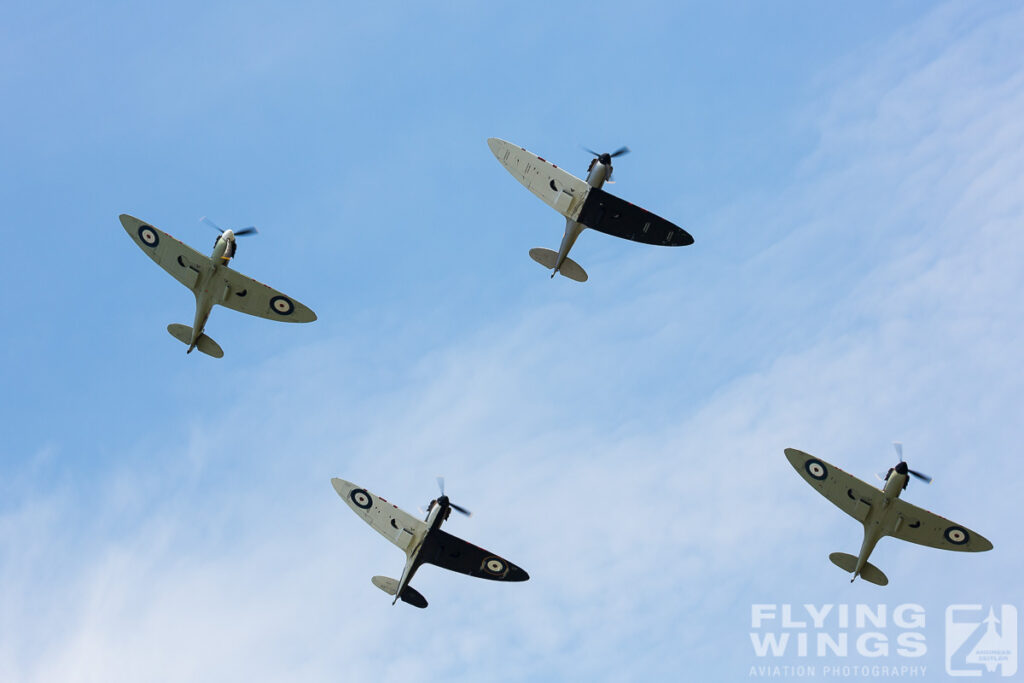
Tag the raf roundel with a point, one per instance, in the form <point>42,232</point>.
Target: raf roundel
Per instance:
<point>816,469</point>
<point>495,566</point>
<point>361,498</point>
<point>282,305</point>
<point>148,236</point>
<point>957,535</point>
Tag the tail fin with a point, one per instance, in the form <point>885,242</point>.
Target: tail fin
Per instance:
<point>569,268</point>
<point>183,333</point>
<point>409,595</point>
<point>869,572</point>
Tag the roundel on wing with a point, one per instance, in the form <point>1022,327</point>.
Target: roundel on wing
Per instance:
<point>362,499</point>
<point>495,566</point>
<point>282,305</point>
<point>816,469</point>
<point>957,535</point>
<point>148,235</point>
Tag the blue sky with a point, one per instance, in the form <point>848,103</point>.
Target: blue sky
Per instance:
<point>852,177</point>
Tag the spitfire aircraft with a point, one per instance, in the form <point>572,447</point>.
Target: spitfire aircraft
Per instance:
<point>584,205</point>
<point>424,542</point>
<point>882,513</point>
<point>212,282</point>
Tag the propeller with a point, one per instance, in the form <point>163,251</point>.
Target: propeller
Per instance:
<point>232,246</point>
<point>244,231</point>
<point>902,467</point>
<point>444,499</point>
<point>606,159</point>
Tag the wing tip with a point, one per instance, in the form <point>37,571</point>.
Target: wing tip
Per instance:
<point>794,454</point>
<point>341,486</point>
<point>495,145</point>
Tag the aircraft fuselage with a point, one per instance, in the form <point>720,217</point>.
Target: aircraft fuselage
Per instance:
<point>596,177</point>
<point>223,248</point>
<point>436,516</point>
<point>878,521</point>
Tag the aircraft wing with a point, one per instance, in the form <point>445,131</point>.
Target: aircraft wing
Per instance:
<point>246,295</point>
<point>847,492</point>
<point>394,524</point>
<point>559,189</point>
<point>919,526</point>
<point>608,214</point>
<point>445,550</point>
<point>180,260</point>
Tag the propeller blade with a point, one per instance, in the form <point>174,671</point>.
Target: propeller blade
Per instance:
<point>899,449</point>
<point>213,225</point>
<point>620,151</point>
<point>879,476</point>
<point>920,475</point>
<point>440,484</point>
<point>246,231</point>
<point>461,509</point>
<point>587,149</point>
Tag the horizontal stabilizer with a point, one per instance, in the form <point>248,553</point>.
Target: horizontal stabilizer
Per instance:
<point>844,561</point>
<point>413,597</point>
<point>870,572</point>
<point>183,333</point>
<point>573,270</point>
<point>409,595</point>
<point>545,257</point>
<point>873,574</point>
<point>569,269</point>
